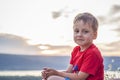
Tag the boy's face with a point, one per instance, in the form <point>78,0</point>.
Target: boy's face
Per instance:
<point>83,33</point>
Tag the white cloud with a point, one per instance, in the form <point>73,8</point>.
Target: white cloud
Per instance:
<point>33,19</point>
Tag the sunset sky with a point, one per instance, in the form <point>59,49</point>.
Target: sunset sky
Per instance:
<point>44,27</point>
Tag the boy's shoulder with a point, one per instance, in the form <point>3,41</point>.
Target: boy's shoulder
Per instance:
<point>76,48</point>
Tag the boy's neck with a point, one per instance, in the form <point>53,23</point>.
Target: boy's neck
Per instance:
<point>82,48</point>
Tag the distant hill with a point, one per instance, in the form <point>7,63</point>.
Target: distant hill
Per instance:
<point>28,62</point>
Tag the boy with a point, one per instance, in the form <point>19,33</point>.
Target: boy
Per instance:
<point>86,61</point>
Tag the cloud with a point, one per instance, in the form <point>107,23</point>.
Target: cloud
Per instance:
<point>18,45</point>
<point>110,49</point>
<point>56,14</point>
<point>115,18</point>
<point>13,44</point>
<point>115,9</point>
<point>117,30</point>
<point>65,12</point>
<point>55,50</point>
<point>112,18</point>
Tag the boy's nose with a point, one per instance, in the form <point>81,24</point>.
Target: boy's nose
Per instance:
<point>79,34</point>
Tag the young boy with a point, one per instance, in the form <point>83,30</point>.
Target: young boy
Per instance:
<point>86,61</point>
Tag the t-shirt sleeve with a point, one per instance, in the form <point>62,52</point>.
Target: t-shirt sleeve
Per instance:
<point>90,63</point>
<point>73,54</point>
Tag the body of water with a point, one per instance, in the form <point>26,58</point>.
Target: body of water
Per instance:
<point>24,67</point>
<point>26,62</point>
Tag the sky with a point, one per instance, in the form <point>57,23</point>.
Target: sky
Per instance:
<point>44,27</point>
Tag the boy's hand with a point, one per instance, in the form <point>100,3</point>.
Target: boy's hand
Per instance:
<point>44,75</point>
<point>48,72</point>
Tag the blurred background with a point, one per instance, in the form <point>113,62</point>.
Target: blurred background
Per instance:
<point>38,33</point>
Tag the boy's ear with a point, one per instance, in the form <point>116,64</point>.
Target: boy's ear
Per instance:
<point>95,35</point>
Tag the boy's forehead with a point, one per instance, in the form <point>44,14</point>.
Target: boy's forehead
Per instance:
<point>84,22</point>
<point>81,23</point>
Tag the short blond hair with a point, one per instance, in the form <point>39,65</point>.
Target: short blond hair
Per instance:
<point>87,18</point>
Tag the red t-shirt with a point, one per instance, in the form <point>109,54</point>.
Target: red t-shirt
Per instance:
<point>89,61</point>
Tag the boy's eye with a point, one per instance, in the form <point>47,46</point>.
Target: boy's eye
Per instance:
<point>85,31</point>
<point>76,31</point>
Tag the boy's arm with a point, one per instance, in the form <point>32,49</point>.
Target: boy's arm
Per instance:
<point>69,68</point>
<point>74,76</point>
